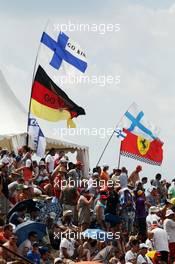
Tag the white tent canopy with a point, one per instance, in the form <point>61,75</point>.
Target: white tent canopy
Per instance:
<point>13,120</point>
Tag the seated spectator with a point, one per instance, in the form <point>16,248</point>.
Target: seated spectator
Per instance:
<point>34,254</point>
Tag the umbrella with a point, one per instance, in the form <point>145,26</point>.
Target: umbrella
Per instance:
<point>22,230</point>
<point>26,203</point>
<point>98,234</point>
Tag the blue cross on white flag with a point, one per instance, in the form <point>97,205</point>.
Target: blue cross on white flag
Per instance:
<point>120,133</point>
<point>61,57</point>
<point>135,122</point>
<point>36,137</point>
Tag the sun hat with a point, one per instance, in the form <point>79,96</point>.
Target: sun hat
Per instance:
<point>169,212</point>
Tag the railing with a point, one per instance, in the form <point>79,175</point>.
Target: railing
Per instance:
<point>23,259</point>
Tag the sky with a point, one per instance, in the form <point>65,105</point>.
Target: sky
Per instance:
<point>140,55</point>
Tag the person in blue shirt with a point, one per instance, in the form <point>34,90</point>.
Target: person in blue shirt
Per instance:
<point>34,254</point>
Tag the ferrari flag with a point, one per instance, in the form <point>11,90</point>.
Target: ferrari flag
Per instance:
<point>50,103</point>
<point>137,147</point>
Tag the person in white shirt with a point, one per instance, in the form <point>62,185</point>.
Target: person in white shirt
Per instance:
<point>67,248</point>
<point>50,160</point>
<point>142,258</point>
<point>169,226</point>
<point>160,240</point>
<point>131,255</point>
<point>26,245</point>
<point>152,217</point>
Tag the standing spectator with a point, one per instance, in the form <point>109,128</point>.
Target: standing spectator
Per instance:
<point>123,178</point>
<point>127,209</point>
<point>134,177</point>
<point>104,176</point>
<point>160,240</point>
<point>100,211</point>
<point>27,171</point>
<point>84,204</point>
<point>141,214</point>
<point>50,161</point>
<point>152,217</point>
<point>116,176</point>
<point>171,190</point>
<point>169,226</point>
<point>152,197</point>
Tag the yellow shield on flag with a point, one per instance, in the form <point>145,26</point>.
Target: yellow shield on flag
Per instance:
<point>143,145</point>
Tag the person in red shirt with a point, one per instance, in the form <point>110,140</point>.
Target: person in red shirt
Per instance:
<point>104,176</point>
<point>6,233</point>
<point>59,175</point>
<point>27,171</point>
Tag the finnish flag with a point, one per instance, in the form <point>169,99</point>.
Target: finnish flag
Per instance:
<point>120,134</point>
<point>36,137</point>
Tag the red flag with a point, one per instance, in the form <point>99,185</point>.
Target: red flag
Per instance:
<point>139,148</point>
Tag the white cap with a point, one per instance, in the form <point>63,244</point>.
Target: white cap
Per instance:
<point>153,209</point>
<point>62,160</point>
<point>143,245</point>
<point>105,165</point>
<point>152,188</point>
<point>169,212</point>
<point>28,163</point>
<point>58,260</point>
<point>52,215</point>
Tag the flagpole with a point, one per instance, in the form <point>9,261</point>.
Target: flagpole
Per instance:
<point>119,157</point>
<point>33,76</point>
<point>111,137</point>
<point>105,148</point>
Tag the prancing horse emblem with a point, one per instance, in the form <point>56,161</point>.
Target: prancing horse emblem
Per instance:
<point>143,145</point>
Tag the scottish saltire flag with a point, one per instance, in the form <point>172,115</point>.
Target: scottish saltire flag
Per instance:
<point>60,56</point>
<point>120,133</point>
<point>135,122</point>
<point>36,137</point>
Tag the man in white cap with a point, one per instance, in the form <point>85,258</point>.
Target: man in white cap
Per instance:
<point>152,217</point>
<point>142,258</point>
<point>169,226</point>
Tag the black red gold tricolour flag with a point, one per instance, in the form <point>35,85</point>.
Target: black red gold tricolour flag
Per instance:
<point>137,147</point>
<point>50,103</point>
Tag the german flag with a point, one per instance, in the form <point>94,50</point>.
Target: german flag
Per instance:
<point>50,103</point>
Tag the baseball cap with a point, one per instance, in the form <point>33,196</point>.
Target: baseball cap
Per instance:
<point>28,163</point>
<point>153,209</point>
<point>35,244</point>
<point>169,212</point>
<point>63,160</point>
<point>140,192</point>
<point>58,260</point>
<point>143,245</point>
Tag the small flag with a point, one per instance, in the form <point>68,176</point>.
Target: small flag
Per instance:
<point>38,141</point>
<point>137,147</point>
<point>50,103</point>
<point>120,133</point>
<point>135,122</point>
